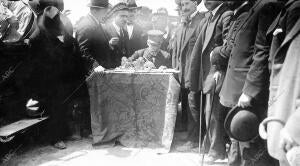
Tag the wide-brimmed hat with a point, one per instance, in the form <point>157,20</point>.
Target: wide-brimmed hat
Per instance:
<point>38,6</point>
<point>98,3</point>
<point>242,124</point>
<point>51,21</point>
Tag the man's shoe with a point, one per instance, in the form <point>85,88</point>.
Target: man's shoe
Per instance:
<point>60,145</point>
<point>210,159</point>
<point>188,146</point>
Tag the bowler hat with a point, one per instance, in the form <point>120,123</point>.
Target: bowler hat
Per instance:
<point>98,3</point>
<point>38,6</point>
<point>51,22</point>
<point>242,124</point>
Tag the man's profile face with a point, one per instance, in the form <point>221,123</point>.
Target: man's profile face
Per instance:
<point>121,18</point>
<point>188,7</point>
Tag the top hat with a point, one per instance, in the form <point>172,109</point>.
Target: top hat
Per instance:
<point>38,6</point>
<point>98,4</point>
<point>51,22</point>
<point>242,124</point>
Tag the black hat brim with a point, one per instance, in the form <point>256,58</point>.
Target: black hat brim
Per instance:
<point>228,121</point>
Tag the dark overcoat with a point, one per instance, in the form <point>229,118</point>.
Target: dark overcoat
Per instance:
<point>247,70</point>
<point>93,42</point>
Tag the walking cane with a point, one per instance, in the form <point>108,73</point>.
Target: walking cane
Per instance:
<point>209,123</point>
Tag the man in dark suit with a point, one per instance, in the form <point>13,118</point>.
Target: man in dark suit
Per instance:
<point>56,70</point>
<point>246,81</point>
<point>116,31</point>
<point>137,39</point>
<point>201,75</point>
<point>92,38</point>
<point>186,37</point>
<point>153,53</point>
<point>219,58</point>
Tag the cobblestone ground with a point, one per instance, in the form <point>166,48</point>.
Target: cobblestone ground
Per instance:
<point>81,153</point>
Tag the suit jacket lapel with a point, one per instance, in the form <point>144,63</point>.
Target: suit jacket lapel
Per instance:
<point>276,21</point>
<point>178,38</point>
<point>292,34</point>
<point>274,24</point>
<point>190,32</point>
<point>251,11</point>
<point>211,26</point>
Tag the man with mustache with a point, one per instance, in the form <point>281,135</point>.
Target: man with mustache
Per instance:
<point>185,39</point>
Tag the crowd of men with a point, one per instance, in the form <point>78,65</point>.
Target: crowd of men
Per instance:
<point>237,63</point>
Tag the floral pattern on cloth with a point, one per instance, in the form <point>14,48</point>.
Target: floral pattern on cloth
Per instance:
<point>137,109</point>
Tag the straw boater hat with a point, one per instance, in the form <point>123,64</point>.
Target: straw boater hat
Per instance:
<point>98,4</point>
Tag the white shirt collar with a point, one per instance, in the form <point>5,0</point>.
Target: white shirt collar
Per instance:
<point>117,28</point>
<point>130,30</point>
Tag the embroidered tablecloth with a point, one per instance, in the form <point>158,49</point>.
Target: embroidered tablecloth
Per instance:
<point>137,109</point>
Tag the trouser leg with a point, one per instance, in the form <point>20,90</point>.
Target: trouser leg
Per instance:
<point>216,133</point>
<point>193,116</point>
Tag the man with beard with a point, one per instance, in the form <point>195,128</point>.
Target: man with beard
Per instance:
<point>186,37</point>
<point>246,82</point>
<point>202,73</point>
